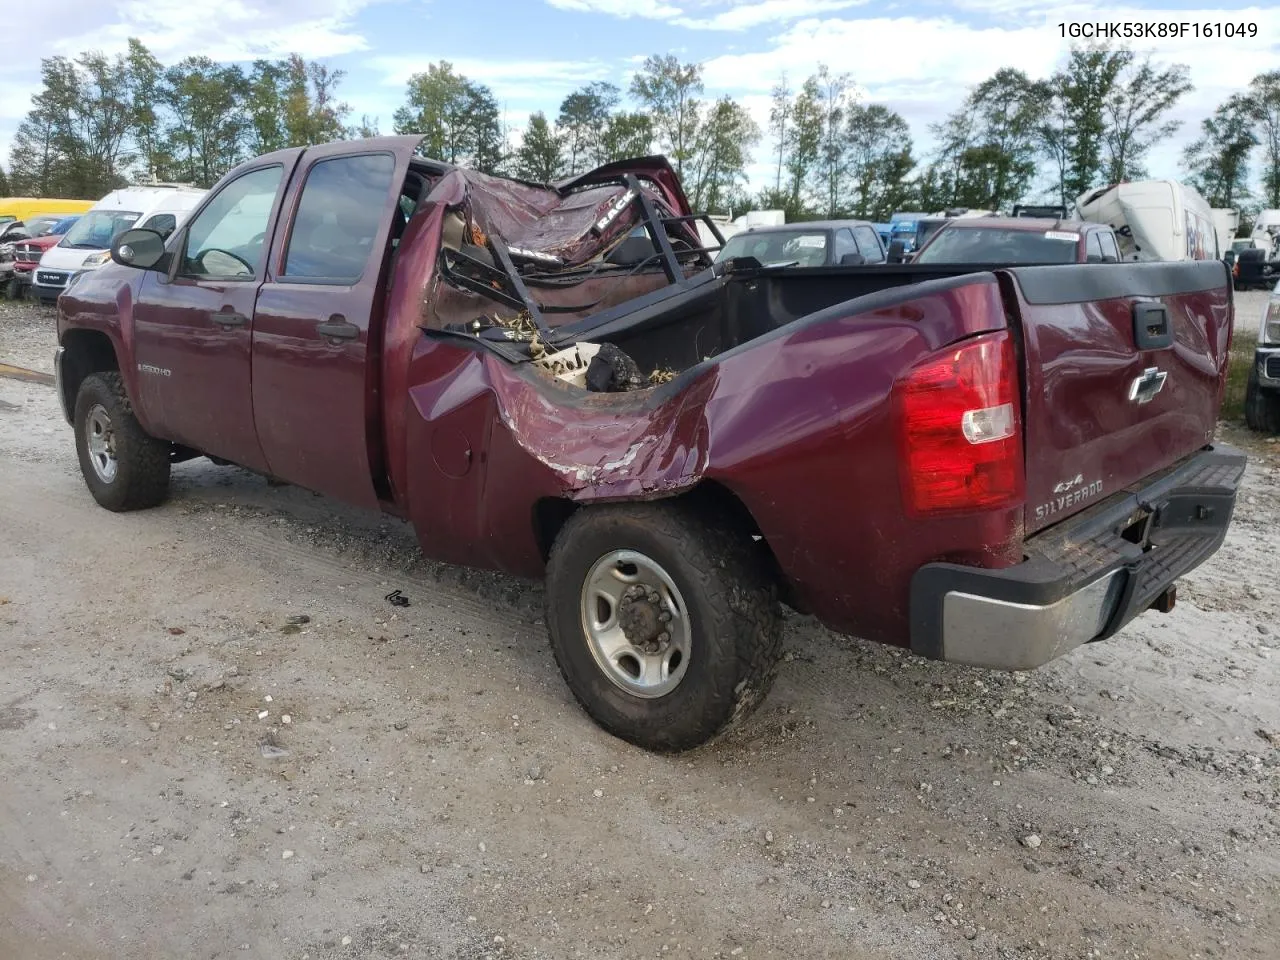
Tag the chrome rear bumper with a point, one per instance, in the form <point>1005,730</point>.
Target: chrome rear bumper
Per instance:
<point>1083,579</point>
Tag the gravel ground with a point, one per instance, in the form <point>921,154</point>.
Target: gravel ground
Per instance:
<point>27,335</point>
<point>1249,307</point>
<point>218,740</point>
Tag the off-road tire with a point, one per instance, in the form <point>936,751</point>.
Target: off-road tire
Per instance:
<point>142,462</point>
<point>13,289</point>
<point>1261,407</point>
<point>734,614</point>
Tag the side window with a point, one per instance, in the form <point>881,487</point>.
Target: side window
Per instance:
<point>1092,247</point>
<point>227,238</point>
<point>869,244</point>
<point>1110,252</point>
<point>162,223</point>
<point>844,244</point>
<point>342,208</point>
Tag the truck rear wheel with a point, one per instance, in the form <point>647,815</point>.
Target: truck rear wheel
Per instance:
<point>124,467</point>
<point>666,628</point>
<point>1261,407</point>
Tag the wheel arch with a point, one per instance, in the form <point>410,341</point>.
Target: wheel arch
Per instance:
<point>708,497</point>
<point>84,352</point>
<point>1261,406</point>
<point>698,545</point>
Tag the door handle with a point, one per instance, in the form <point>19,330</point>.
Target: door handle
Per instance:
<point>337,328</point>
<point>227,319</point>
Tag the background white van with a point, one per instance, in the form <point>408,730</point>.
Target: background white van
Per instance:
<point>1154,220</point>
<point>87,245</point>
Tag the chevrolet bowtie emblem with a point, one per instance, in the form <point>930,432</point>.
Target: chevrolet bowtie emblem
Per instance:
<point>1144,387</point>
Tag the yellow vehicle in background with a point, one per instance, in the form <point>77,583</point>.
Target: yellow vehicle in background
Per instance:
<point>19,208</point>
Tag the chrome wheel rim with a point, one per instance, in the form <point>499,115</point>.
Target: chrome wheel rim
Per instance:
<point>100,439</point>
<point>636,624</point>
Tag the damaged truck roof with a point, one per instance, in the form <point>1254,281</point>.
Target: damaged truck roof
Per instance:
<point>547,256</point>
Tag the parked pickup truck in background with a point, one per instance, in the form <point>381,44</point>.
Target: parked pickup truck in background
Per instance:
<point>987,467</point>
<point>821,243</point>
<point>1020,240</point>
<point>1262,391</point>
<point>27,253</point>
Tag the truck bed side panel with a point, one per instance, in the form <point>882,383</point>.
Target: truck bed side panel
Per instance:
<point>796,424</point>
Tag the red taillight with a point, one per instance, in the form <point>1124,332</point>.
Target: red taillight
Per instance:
<point>961,429</point>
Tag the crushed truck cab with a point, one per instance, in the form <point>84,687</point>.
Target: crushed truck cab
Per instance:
<point>982,463</point>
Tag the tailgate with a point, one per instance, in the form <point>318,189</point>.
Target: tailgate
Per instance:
<point>1124,370</point>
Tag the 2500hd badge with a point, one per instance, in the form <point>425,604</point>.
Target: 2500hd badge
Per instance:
<point>1071,492</point>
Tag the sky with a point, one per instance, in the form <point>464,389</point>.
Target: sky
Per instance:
<point>917,57</point>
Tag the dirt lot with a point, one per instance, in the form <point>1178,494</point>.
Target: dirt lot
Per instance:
<point>217,739</point>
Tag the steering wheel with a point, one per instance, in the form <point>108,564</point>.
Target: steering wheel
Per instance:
<point>248,267</point>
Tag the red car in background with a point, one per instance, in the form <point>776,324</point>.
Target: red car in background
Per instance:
<point>45,232</point>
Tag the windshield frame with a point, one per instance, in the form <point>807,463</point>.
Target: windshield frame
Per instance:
<point>48,220</point>
<point>84,227</point>
<point>734,246</point>
<point>941,241</point>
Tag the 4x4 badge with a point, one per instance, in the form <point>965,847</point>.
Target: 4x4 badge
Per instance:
<point>1145,386</point>
<point>1071,484</point>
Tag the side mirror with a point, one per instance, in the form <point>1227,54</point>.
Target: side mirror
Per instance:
<point>897,252</point>
<point>852,260</point>
<point>143,249</point>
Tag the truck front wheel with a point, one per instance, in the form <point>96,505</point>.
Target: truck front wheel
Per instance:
<point>1261,407</point>
<point>665,626</point>
<point>124,467</point>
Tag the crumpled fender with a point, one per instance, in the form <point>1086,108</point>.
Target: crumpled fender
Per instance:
<point>488,441</point>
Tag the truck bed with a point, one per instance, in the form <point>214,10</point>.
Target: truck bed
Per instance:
<point>785,379</point>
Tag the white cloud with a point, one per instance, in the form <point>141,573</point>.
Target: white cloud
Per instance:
<point>626,9</point>
<point>941,48</point>
<point>229,31</point>
<point>922,65</point>
<point>398,69</point>
<point>16,101</point>
<point>744,16</point>
<point>520,86</point>
<point>233,30</point>
<point>740,15</point>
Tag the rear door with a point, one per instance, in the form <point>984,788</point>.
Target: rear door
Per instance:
<point>869,244</point>
<point>1092,247</point>
<point>1125,365</point>
<point>316,333</point>
<point>1110,250</point>
<point>842,245</point>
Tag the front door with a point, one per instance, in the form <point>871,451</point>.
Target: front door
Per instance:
<point>316,330</point>
<point>194,326</point>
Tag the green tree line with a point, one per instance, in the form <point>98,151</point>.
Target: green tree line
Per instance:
<point>99,122</point>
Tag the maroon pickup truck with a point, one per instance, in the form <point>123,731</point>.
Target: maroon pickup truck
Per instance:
<point>991,467</point>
